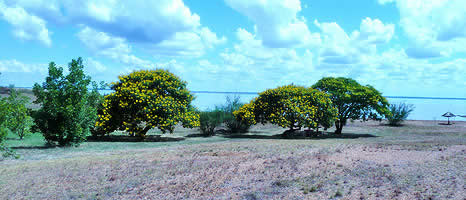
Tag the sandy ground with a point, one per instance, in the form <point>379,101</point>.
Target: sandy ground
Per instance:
<point>421,160</point>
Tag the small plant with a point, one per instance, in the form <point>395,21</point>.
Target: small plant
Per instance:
<point>338,194</point>
<point>18,120</point>
<point>4,110</point>
<point>399,113</point>
<point>307,190</point>
<point>209,120</point>
<point>7,152</point>
<point>233,124</point>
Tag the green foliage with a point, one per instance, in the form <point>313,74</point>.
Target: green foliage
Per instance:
<point>399,113</point>
<point>289,107</point>
<point>7,152</point>
<point>233,124</point>
<point>147,99</point>
<point>209,120</point>
<point>4,115</point>
<point>67,107</point>
<point>354,101</point>
<point>4,111</point>
<point>18,120</point>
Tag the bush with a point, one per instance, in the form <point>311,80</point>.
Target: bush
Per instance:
<point>67,110</point>
<point>399,113</point>
<point>233,124</point>
<point>4,114</point>
<point>289,107</point>
<point>19,121</point>
<point>209,120</point>
<point>4,111</point>
<point>147,99</point>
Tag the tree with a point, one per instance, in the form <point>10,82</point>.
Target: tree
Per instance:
<point>4,112</point>
<point>147,99</point>
<point>67,110</point>
<point>353,101</point>
<point>289,107</point>
<point>399,113</point>
<point>18,121</point>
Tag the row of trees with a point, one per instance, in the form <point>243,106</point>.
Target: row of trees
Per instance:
<point>142,100</point>
<point>329,101</point>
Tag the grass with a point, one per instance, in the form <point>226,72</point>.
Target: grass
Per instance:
<point>420,160</point>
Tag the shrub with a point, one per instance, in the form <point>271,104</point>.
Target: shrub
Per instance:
<point>289,107</point>
<point>233,124</point>
<point>4,111</point>
<point>399,113</point>
<point>209,120</point>
<point>4,114</point>
<point>67,112</point>
<point>18,120</point>
<point>354,101</point>
<point>147,99</point>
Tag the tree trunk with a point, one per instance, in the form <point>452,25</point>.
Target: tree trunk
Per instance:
<point>144,131</point>
<point>339,126</point>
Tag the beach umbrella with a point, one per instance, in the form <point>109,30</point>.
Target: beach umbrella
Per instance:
<point>448,115</point>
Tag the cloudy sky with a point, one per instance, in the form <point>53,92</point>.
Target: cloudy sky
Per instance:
<point>402,47</point>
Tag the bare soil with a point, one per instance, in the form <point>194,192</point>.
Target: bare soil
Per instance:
<point>421,160</point>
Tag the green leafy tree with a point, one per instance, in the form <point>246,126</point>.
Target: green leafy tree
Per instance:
<point>399,113</point>
<point>4,112</point>
<point>18,121</point>
<point>353,100</point>
<point>67,110</point>
<point>4,115</point>
<point>289,107</point>
<point>147,99</point>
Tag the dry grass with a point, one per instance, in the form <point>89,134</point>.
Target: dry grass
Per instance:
<point>422,160</point>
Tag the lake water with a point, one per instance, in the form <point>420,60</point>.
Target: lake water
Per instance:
<point>425,109</point>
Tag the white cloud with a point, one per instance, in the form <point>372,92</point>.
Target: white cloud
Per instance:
<point>339,49</point>
<point>25,25</point>
<point>277,21</point>
<point>112,47</point>
<point>438,25</point>
<point>95,66</point>
<point>374,31</point>
<point>164,27</point>
<point>191,44</point>
<point>17,66</point>
<point>249,59</point>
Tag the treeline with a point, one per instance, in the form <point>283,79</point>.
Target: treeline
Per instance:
<point>142,100</point>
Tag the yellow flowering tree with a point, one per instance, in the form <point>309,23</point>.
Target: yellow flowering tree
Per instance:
<point>289,107</point>
<point>147,99</point>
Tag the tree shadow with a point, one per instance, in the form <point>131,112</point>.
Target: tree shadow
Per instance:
<point>123,138</point>
<point>302,135</point>
<point>446,124</point>
<point>217,132</point>
<point>33,147</point>
<point>14,139</point>
<point>198,135</point>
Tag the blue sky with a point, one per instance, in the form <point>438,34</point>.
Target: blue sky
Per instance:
<point>402,47</point>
